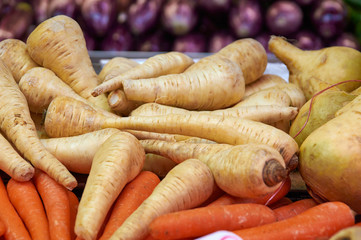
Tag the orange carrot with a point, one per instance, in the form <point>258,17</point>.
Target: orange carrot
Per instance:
<point>2,228</point>
<point>26,200</point>
<point>129,199</point>
<point>201,221</point>
<point>280,203</point>
<point>319,221</point>
<point>15,228</point>
<point>73,204</point>
<point>358,224</point>
<point>225,199</point>
<point>294,208</point>
<point>56,202</point>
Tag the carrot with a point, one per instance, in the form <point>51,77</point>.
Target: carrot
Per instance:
<point>58,44</point>
<point>260,113</point>
<point>56,203</point>
<point>15,228</point>
<point>294,208</point>
<point>2,228</point>
<point>155,66</point>
<point>73,204</point>
<point>12,163</point>
<point>263,82</point>
<point>26,200</point>
<point>19,128</point>
<point>15,56</point>
<point>187,185</point>
<point>280,203</point>
<point>114,67</point>
<point>213,77</point>
<point>67,117</point>
<point>118,161</point>
<point>201,221</point>
<point>319,221</point>
<point>133,194</point>
<point>77,152</point>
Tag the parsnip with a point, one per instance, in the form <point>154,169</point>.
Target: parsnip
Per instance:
<point>114,67</point>
<point>263,82</point>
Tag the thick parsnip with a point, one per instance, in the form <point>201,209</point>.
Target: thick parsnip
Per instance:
<point>14,54</point>
<point>19,128</point>
<point>118,161</point>
<point>115,67</point>
<point>13,164</point>
<point>263,82</point>
<point>247,171</point>
<point>186,186</point>
<point>68,117</point>
<point>155,66</point>
<point>58,44</point>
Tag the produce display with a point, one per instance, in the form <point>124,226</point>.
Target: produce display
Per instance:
<point>191,26</point>
<point>173,148</point>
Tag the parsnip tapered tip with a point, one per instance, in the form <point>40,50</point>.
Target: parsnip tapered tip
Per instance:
<point>71,183</point>
<point>273,172</point>
<point>96,91</point>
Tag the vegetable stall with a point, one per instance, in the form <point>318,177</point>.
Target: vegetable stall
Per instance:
<point>167,120</point>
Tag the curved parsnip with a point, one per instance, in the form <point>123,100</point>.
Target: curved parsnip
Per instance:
<point>13,164</point>
<point>295,93</point>
<point>118,161</point>
<point>120,104</point>
<point>58,44</point>
<point>77,152</point>
<point>115,67</point>
<point>187,185</point>
<point>14,54</point>
<point>68,117</point>
<point>16,123</point>
<point>263,82</point>
<point>155,66</point>
<point>259,113</point>
<point>247,171</point>
<point>272,96</point>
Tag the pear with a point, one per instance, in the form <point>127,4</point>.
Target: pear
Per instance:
<point>324,107</point>
<point>330,159</point>
<point>315,70</point>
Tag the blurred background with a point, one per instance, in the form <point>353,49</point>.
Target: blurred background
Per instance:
<point>191,25</point>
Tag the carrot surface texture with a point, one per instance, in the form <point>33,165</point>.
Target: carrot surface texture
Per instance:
<point>15,228</point>
<point>68,117</point>
<point>187,185</point>
<point>15,56</point>
<point>155,66</point>
<point>2,228</point>
<point>320,221</point>
<point>12,163</point>
<point>57,208</point>
<point>19,128</point>
<point>198,222</point>
<point>133,194</point>
<point>294,208</point>
<point>27,202</point>
<point>58,44</point>
<point>248,171</point>
<point>118,161</point>
<point>73,204</point>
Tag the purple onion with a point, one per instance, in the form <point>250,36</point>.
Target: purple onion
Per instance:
<point>91,42</point>
<point>118,38</point>
<point>99,15</point>
<point>155,42</point>
<point>284,17</point>
<point>41,10</point>
<point>16,22</point>
<point>192,42</point>
<point>219,40</point>
<point>329,18</point>
<point>245,19</point>
<point>307,40</point>
<point>143,15</point>
<point>347,39</point>
<point>215,7</point>
<point>305,2</point>
<point>179,17</point>
<point>264,38</point>
<point>62,7</point>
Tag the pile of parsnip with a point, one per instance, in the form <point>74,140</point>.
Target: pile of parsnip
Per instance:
<point>200,130</point>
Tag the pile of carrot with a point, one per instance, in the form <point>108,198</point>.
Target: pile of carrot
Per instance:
<point>171,148</point>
